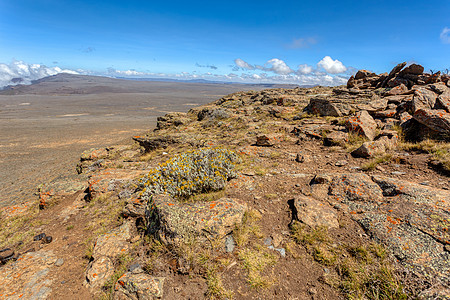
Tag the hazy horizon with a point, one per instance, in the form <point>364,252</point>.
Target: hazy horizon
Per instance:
<point>303,43</point>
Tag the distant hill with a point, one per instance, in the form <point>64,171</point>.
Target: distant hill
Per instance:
<point>69,84</point>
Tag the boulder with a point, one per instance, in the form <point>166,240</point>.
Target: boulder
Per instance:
<point>214,113</point>
<point>423,98</point>
<point>387,140</point>
<point>326,107</point>
<point>335,138</point>
<point>108,180</point>
<point>313,212</point>
<point>397,90</point>
<point>393,73</point>
<point>268,140</point>
<point>153,143</point>
<point>363,124</point>
<point>175,222</point>
<point>364,74</point>
<point>435,119</point>
<point>377,104</point>
<point>137,285</point>
<point>413,69</point>
<point>443,101</point>
<point>107,248</point>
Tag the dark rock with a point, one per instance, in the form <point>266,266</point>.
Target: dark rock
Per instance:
<point>413,69</point>
<point>39,237</point>
<point>6,255</point>
<point>150,144</point>
<point>48,239</point>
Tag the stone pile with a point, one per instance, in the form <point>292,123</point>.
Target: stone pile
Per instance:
<point>407,97</point>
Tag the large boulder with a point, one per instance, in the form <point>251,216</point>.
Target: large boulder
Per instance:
<point>423,98</point>
<point>176,222</point>
<point>436,119</point>
<point>387,140</point>
<point>363,124</point>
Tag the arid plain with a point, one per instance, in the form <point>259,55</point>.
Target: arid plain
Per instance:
<point>45,126</point>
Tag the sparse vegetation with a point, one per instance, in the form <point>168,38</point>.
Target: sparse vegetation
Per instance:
<point>363,271</point>
<point>439,150</point>
<point>376,161</point>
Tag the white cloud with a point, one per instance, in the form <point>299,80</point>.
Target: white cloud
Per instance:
<point>278,66</point>
<point>304,69</point>
<point>244,65</point>
<point>331,66</point>
<point>19,72</point>
<point>445,35</point>
<point>302,43</point>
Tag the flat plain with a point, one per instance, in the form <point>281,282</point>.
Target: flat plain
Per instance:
<point>44,127</point>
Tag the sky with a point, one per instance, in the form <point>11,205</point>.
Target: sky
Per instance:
<point>299,42</point>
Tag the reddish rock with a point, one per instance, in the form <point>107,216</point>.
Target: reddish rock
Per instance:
<point>397,90</point>
<point>387,140</point>
<point>364,74</point>
<point>443,101</point>
<point>423,98</point>
<point>363,124</point>
<point>436,119</point>
<point>313,212</point>
<point>326,107</point>
<point>268,140</point>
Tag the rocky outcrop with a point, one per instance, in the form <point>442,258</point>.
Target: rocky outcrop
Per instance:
<point>410,219</point>
<point>175,222</point>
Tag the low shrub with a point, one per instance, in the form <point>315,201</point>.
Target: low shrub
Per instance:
<point>190,173</point>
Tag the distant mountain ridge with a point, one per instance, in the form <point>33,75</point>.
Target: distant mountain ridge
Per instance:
<point>67,84</point>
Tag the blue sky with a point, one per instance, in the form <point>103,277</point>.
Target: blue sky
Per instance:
<point>255,41</point>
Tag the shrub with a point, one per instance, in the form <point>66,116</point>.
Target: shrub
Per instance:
<point>192,172</point>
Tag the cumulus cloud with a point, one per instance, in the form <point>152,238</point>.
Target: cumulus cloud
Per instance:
<point>212,67</point>
<point>304,69</point>
<point>331,66</point>
<point>19,72</point>
<point>445,35</point>
<point>278,66</point>
<point>302,43</point>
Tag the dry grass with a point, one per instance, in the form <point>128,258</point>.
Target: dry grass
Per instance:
<point>439,150</point>
<point>354,141</point>
<point>376,161</point>
<point>363,271</point>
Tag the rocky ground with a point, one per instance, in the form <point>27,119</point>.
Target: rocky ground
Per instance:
<point>320,193</point>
